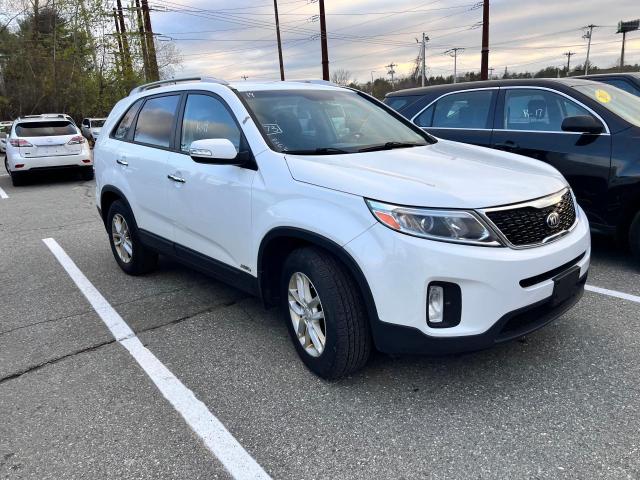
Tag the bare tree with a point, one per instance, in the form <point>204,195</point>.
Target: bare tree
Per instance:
<point>341,76</point>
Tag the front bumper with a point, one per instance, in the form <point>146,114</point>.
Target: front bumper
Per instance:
<point>399,268</point>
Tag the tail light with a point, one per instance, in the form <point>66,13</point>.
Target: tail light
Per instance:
<point>78,139</point>
<point>19,142</point>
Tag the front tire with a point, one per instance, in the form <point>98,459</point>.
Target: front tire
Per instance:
<point>325,313</point>
<point>634,237</point>
<point>130,254</point>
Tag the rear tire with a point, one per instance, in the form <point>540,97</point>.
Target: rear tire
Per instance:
<point>131,255</point>
<point>18,179</point>
<point>634,237</point>
<point>87,174</point>
<point>333,295</point>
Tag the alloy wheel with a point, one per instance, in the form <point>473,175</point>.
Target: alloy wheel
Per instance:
<point>307,315</point>
<point>121,238</point>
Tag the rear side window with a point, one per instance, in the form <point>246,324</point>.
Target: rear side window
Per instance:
<point>461,110</point>
<point>398,103</point>
<point>207,117</point>
<point>155,122</point>
<point>124,126</point>
<point>45,129</point>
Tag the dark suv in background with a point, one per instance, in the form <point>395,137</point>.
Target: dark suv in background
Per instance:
<point>629,82</point>
<point>589,131</point>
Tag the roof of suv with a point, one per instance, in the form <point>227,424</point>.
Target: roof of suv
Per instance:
<point>241,86</point>
<point>543,82</point>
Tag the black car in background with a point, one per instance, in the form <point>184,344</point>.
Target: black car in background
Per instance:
<point>629,82</point>
<point>589,131</point>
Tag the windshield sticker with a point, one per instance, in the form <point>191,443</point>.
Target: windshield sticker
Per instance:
<point>603,96</point>
<point>272,128</point>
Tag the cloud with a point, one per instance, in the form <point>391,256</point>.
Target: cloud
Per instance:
<point>229,40</point>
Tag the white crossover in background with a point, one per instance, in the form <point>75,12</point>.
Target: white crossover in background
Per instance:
<point>41,143</point>
<point>367,231</point>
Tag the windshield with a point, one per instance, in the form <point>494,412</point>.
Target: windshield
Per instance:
<point>327,121</point>
<point>97,123</point>
<point>621,103</point>
<point>44,129</point>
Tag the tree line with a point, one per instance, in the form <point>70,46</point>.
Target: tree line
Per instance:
<point>64,56</point>
<point>381,86</point>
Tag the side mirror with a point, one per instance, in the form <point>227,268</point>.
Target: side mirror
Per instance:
<point>217,151</point>
<point>582,124</point>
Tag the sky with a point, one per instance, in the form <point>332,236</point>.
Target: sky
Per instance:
<point>232,39</point>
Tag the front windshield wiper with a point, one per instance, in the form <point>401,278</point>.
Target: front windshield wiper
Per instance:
<point>390,145</point>
<point>317,151</point>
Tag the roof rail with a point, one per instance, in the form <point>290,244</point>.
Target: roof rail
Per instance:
<point>316,81</point>
<point>175,81</point>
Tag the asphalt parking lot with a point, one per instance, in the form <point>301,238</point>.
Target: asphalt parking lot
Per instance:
<point>562,403</point>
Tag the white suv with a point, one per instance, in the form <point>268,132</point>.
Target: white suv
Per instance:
<point>40,143</point>
<point>366,230</point>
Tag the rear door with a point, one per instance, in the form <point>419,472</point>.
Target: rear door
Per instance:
<point>141,158</point>
<point>528,122</point>
<point>463,116</point>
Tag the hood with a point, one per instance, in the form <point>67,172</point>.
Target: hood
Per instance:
<point>446,175</point>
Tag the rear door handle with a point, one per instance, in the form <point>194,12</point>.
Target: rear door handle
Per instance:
<point>175,178</point>
<point>508,145</point>
<point>122,161</point>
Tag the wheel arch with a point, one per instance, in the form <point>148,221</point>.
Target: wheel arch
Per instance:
<point>280,241</point>
<point>108,195</point>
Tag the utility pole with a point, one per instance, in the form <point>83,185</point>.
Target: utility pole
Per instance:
<point>569,55</point>
<point>454,53</point>
<point>143,42</point>
<point>484,63</point>
<point>323,42</point>
<point>425,39</point>
<point>372,72</point>
<point>391,71</point>
<point>275,8</point>
<point>126,59</point>
<point>587,36</point>
<point>154,73</point>
<point>491,69</point>
<point>120,56</point>
<point>244,77</point>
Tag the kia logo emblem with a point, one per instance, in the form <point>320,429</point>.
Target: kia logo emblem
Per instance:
<point>553,220</point>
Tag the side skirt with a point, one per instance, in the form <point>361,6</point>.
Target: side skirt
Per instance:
<point>207,265</point>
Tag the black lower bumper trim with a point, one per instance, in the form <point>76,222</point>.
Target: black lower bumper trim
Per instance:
<point>399,339</point>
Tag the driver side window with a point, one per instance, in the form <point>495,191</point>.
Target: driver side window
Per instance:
<point>538,110</point>
<point>206,117</point>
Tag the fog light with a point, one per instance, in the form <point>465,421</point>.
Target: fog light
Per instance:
<point>436,304</point>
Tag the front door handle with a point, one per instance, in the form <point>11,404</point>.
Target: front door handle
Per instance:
<point>122,161</point>
<point>508,145</point>
<point>175,178</point>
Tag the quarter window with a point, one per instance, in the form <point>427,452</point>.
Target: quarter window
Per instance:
<point>459,110</point>
<point>538,110</point>
<point>127,121</point>
<point>207,117</point>
<point>155,122</point>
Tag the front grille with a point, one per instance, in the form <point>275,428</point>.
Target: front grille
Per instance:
<point>524,226</point>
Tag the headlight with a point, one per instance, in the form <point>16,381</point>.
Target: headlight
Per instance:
<point>458,226</point>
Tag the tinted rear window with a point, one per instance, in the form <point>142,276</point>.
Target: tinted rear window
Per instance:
<point>45,129</point>
<point>155,122</point>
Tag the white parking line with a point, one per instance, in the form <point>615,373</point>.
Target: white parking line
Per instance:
<point>3,194</point>
<point>210,430</point>
<point>613,293</point>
